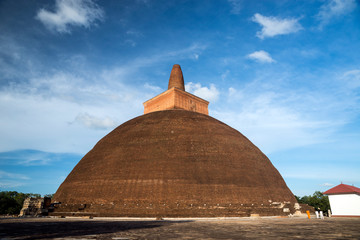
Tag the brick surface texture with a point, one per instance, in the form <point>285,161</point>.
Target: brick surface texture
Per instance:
<point>174,163</point>
<point>175,98</point>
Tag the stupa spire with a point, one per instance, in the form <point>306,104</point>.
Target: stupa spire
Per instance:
<point>176,78</point>
<point>176,97</point>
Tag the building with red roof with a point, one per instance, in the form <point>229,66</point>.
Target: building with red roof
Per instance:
<point>344,200</point>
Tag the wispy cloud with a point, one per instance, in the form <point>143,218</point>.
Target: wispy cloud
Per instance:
<point>261,56</point>
<point>352,78</point>
<point>270,124</point>
<point>13,53</point>
<point>32,158</point>
<point>9,175</point>
<point>272,26</point>
<point>34,171</point>
<point>134,33</point>
<point>192,51</point>
<point>95,122</point>
<point>93,98</point>
<point>208,93</point>
<point>326,184</point>
<point>152,88</point>
<point>69,13</point>
<point>133,37</point>
<point>6,184</point>
<point>236,6</point>
<point>9,180</point>
<point>51,103</point>
<point>337,173</point>
<point>278,118</point>
<point>333,9</point>
<point>232,92</point>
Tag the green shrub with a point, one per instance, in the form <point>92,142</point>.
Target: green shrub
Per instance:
<point>11,202</point>
<point>318,200</point>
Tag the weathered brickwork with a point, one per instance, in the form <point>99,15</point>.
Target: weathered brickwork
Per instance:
<point>176,78</point>
<point>35,206</point>
<point>174,163</point>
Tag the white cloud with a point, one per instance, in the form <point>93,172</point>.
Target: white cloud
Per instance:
<point>6,184</point>
<point>152,88</point>
<point>272,124</point>
<point>35,159</point>
<point>130,42</point>
<point>95,122</point>
<point>272,26</point>
<point>278,118</point>
<point>334,9</point>
<point>327,185</point>
<point>236,6</point>
<point>209,94</point>
<point>134,33</point>
<point>32,157</point>
<point>39,113</point>
<point>232,91</point>
<point>14,54</point>
<point>36,114</point>
<point>10,180</point>
<point>9,175</point>
<point>352,78</point>
<point>132,67</point>
<point>70,13</point>
<point>335,173</point>
<point>261,56</point>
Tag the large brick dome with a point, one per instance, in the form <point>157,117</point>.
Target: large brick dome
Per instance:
<point>174,163</point>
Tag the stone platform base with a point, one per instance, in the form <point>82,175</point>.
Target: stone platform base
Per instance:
<point>174,210</point>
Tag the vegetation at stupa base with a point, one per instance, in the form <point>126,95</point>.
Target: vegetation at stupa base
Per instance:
<point>318,200</point>
<point>11,202</point>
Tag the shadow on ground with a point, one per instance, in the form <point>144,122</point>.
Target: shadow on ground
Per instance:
<point>55,229</point>
<point>115,229</point>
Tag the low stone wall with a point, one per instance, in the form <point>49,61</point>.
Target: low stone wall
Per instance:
<point>35,207</point>
<point>173,210</point>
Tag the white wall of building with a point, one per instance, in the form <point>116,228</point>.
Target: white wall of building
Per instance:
<point>345,204</point>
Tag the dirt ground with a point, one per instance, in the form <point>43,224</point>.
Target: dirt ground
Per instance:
<point>232,228</point>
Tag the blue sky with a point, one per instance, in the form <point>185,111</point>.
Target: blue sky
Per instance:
<point>286,74</point>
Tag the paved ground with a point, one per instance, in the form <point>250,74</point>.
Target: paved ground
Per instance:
<point>235,228</point>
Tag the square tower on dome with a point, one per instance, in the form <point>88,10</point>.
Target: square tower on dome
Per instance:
<point>176,97</point>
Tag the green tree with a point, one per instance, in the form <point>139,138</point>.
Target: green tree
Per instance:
<point>317,200</point>
<point>11,202</point>
<point>8,205</point>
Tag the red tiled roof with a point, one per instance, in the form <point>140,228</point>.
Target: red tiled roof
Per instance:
<point>342,188</point>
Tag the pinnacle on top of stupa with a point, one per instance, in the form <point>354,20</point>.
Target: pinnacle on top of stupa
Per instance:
<point>176,97</point>
<point>176,78</point>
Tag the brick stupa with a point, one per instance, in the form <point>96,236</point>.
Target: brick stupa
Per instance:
<point>174,161</point>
